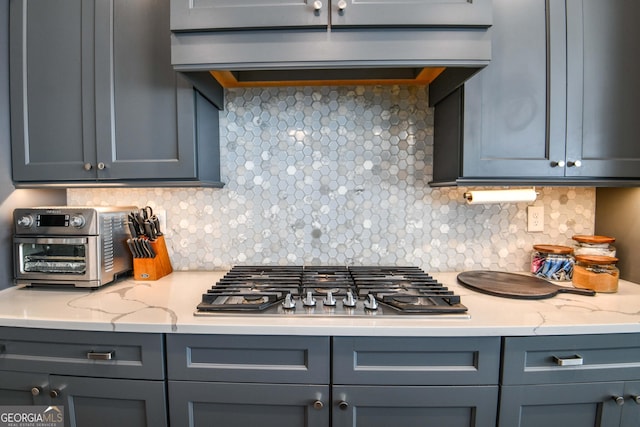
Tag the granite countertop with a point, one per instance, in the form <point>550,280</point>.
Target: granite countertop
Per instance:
<point>167,306</point>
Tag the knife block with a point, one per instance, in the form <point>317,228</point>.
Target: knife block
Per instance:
<point>156,267</point>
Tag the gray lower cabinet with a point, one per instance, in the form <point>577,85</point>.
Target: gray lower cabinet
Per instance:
<point>248,380</point>
<point>100,378</point>
<point>305,381</point>
<point>582,380</point>
<point>554,106</point>
<point>94,97</point>
<point>415,381</point>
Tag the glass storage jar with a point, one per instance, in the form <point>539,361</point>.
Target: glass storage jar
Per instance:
<point>596,272</point>
<point>594,245</point>
<point>553,262</point>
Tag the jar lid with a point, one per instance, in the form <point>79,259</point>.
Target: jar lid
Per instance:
<point>596,259</point>
<point>553,249</point>
<point>593,239</point>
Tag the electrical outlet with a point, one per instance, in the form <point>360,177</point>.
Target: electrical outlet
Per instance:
<point>535,218</point>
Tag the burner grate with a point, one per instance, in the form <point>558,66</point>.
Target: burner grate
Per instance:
<point>330,290</point>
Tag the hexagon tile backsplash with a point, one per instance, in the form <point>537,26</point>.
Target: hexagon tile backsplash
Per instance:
<point>338,175</point>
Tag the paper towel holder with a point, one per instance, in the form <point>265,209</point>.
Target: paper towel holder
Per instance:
<point>501,196</point>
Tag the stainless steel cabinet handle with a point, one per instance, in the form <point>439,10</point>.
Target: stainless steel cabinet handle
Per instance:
<point>101,355</point>
<point>558,164</point>
<point>574,164</point>
<point>574,360</point>
<point>87,166</point>
<point>101,166</point>
<point>318,404</point>
<point>618,399</point>
<point>343,405</point>
<point>35,391</point>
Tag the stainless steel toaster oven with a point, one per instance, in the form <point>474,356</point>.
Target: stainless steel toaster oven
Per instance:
<point>77,246</point>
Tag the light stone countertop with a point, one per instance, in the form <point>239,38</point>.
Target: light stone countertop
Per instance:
<point>167,305</point>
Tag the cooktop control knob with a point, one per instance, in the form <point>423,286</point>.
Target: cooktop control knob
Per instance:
<point>371,303</point>
<point>329,300</point>
<point>77,221</point>
<point>308,301</point>
<point>349,300</point>
<point>288,302</point>
<point>25,221</point>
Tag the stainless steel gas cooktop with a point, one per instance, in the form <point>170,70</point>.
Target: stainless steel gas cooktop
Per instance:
<point>330,291</point>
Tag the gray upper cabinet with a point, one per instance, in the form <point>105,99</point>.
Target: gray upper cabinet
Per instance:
<point>94,97</point>
<point>229,14</point>
<point>554,106</point>
<point>244,14</point>
<point>411,13</point>
<point>603,88</point>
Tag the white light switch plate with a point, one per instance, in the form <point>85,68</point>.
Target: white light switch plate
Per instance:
<point>535,218</point>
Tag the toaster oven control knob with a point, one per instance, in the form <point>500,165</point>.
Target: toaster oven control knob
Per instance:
<point>349,300</point>
<point>288,302</point>
<point>77,221</point>
<point>25,221</point>
<point>329,300</point>
<point>371,303</point>
<point>308,300</point>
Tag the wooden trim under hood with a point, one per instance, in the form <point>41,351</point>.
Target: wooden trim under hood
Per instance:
<point>323,77</point>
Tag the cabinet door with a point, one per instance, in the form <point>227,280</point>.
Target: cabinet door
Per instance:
<point>138,95</point>
<point>230,14</point>
<point>514,109</point>
<point>51,74</point>
<point>23,388</point>
<point>631,409</point>
<point>603,88</point>
<point>411,13</point>
<point>105,402</point>
<point>229,404</point>
<point>367,406</point>
<point>561,405</point>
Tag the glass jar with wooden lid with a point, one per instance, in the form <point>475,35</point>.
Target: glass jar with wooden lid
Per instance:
<point>553,262</point>
<point>594,245</point>
<point>596,272</point>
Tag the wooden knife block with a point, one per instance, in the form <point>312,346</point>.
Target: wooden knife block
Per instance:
<point>153,268</point>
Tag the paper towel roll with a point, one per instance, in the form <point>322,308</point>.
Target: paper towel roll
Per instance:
<point>500,196</point>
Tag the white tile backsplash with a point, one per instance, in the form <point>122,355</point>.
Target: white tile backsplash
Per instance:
<point>338,175</point>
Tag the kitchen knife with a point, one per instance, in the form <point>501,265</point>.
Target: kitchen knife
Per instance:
<point>149,230</point>
<point>132,248</point>
<point>149,249</point>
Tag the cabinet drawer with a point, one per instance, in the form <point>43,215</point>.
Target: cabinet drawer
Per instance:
<point>416,361</point>
<point>248,358</point>
<point>82,353</point>
<point>578,358</point>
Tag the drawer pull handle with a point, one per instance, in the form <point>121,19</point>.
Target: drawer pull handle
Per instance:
<point>343,405</point>
<point>35,391</point>
<point>618,399</point>
<point>574,360</point>
<point>318,404</point>
<point>636,399</point>
<point>101,355</point>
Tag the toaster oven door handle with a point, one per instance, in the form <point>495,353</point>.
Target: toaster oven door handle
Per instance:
<point>52,240</point>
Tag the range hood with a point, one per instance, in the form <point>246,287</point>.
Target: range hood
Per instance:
<point>208,39</point>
